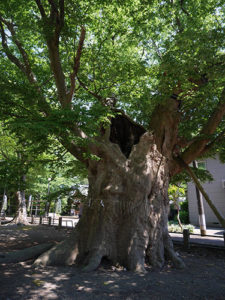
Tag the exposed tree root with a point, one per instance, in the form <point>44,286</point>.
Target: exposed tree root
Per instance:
<point>24,254</point>
<point>5,222</point>
<point>63,253</point>
<point>19,222</point>
<point>94,262</point>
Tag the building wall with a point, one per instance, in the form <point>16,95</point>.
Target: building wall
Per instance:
<point>215,192</point>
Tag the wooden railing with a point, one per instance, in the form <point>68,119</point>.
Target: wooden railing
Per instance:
<point>187,238</point>
<point>69,222</point>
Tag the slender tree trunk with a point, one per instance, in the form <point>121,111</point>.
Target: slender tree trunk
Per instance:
<point>31,207</point>
<point>21,214</point>
<point>201,212</point>
<point>69,205</point>
<point>48,203</point>
<point>126,216</point>
<point>29,204</point>
<point>178,216</point>
<point>47,208</point>
<point>4,205</point>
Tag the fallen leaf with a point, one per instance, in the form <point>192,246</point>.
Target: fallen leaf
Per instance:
<point>38,282</point>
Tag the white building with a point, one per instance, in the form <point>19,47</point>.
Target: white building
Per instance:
<point>215,190</point>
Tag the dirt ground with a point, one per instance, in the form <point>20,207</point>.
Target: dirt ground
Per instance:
<point>203,277</point>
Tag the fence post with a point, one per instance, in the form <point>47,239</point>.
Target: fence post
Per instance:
<point>40,222</point>
<point>49,221</point>
<point>60,222</point>
<point>186,239</point>
<point>32,219</point>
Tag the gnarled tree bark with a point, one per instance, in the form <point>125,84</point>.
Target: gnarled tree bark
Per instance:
<point>125,218</point>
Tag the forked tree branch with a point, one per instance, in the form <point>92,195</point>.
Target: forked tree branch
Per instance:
<point>209,146</point>
<point>74,149</point>
<point>8,53</point>
<point>55,21</point>
<point>24,66</point>
<point>41,8</point>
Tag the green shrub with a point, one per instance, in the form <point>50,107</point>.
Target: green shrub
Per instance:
<point>184,205</point>
<point>184,217</point>
<point>174,227</point>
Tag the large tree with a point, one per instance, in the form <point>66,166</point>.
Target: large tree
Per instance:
<point>134,90</point>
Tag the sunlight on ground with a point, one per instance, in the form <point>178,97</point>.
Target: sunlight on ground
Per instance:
<point>83,288</point>
<point>133,283</point>
<point>61,277</point>
<point>7,273</point>
<point>108,282</point>
<point>25,228</point>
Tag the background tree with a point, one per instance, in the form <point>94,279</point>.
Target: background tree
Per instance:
<point>76,70</point>
<point>176,193</point>
<point>14,168</point>
<point>25,170</point>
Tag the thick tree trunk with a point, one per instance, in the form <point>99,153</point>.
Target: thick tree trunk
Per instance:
<point>125,218</point>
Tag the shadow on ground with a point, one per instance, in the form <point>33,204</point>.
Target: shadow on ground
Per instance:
<point>203,278</point>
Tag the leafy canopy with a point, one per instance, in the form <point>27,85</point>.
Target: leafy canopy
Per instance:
<point>139,52</point>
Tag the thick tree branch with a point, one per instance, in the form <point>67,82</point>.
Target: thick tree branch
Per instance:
<point>199,146</point>
<point>76,65</point>
<point>62,12</point>
<point>165,127</point>
<point>26,68</point>
<point>57,16</point>
<point>53,6</point>
<point>8,53</point>
<point>55,22</point>
<point>209,146</point>
<point>74,149</point>
<point>57,71</point>
<point>41,8</point>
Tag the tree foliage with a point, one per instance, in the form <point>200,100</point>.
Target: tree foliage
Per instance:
<point>61,63</point>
